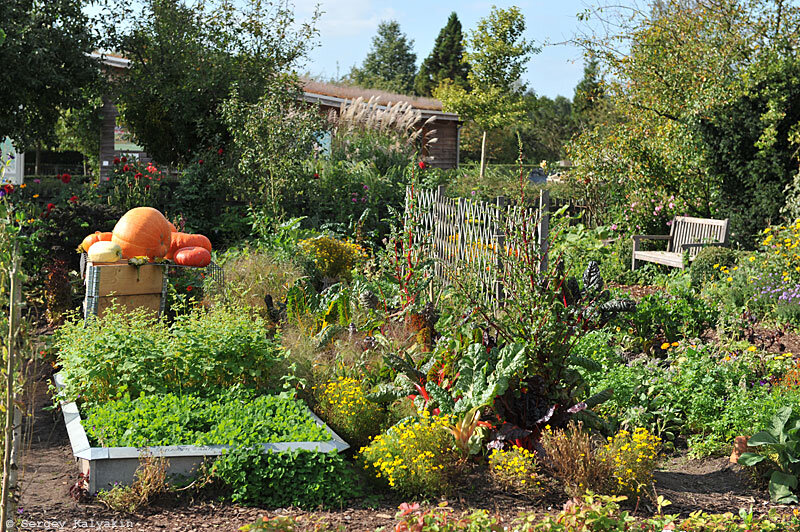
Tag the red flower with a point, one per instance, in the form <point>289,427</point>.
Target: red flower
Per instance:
<point>200,161</point>
<point>138,175</point>
<point>126,168</point>
<point>50,206</point>
<point>66,178</point>
<point>152,169</point>
<point>147,187</point>
<point>316,175</point>
<point>219,151</point>
<point>124,159</point>
<point>73,199</point>
<point>116,160</point>
<point>8,189</point>
<point>189,288</point>
<point>422,165</point>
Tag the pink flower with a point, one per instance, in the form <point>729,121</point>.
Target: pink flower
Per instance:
<point>152,169</point>
<point>406,508</point>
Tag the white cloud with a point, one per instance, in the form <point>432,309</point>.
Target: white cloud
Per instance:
<point>345,18</point>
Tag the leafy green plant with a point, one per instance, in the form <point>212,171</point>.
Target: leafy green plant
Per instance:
<point>306,479</point>
<point>202,353</point>
<point>707,263</point>
<point>233,418</point>
<point>780,445</point>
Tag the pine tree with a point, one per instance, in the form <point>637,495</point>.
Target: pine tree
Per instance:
<point>445,60</point>
<point>390,64</point>
<point>588,94</point>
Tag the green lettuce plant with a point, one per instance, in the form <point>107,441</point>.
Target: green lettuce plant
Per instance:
<point>780,447</point>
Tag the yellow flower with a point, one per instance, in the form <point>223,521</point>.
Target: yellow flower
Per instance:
<point>751,348</point>
<point>665,346</point>
<point>36,195</point>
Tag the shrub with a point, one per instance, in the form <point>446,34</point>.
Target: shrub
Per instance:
<point>573,458</point>
<point>149,481</point>
<point>707,263</point>
<point>233,418</point>
<point>442,519</point>
<point>202,353</point>
<point>133,183</point>
<point>415,456</point>
<point>343,405</point>
<point>332,257</point>
<point>307,479</point>
<point>514,469</point>
<point>633,456</point>
<point>250,274</point>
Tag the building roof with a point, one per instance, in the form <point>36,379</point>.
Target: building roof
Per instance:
<point>334,95</point>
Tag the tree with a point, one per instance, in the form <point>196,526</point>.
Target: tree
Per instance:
<point>497,54</point>
<point>672,69</point>
<point>589,94</point>
<point>185,59</point>
<point>446,60</point>
<point>45,65</point>
<point>391,64</point>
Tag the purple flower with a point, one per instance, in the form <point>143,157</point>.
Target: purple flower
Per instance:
<point>366,187</point>
<point>37,180</point>
<point>2,193</point>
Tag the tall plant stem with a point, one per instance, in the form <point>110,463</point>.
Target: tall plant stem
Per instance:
<point>9,477</point>
<point>483,154</point>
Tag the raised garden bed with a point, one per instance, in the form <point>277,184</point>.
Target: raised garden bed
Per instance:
<point>106,466</point>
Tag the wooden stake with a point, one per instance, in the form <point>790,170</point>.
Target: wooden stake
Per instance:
<point>7,500</point>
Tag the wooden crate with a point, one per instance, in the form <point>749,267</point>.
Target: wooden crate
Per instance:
<point>130,287</point>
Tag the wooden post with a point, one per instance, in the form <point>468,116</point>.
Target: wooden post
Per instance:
<point>7,499</point>
<point>499,250</point>
<point>544,229</point>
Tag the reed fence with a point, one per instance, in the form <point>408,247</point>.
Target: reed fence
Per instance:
<point>459,233</point>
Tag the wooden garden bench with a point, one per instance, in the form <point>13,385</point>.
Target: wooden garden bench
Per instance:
<point>686,235</point>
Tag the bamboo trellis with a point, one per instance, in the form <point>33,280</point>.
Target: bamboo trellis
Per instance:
<point>461,233</point>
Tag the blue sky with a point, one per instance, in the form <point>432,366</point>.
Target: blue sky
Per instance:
<point>348,26</point>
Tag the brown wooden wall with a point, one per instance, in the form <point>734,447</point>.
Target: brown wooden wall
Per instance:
<point>444,152</point>
<point>107,151</point>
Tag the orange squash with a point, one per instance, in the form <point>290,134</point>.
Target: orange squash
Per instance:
<point>88,241</point>
<point>142,231</point>
<point>193,256</point>
<point>97,236</point>
<point>185,240</point>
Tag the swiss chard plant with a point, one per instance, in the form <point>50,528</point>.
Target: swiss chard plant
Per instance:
<point>779,445</point>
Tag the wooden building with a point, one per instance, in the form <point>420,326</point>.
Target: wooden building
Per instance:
<point>444,153</point>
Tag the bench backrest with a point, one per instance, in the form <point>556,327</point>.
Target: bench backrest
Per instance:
<point>688,230</point>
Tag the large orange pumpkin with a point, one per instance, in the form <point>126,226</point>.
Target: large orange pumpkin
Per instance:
<point>142,231</point>
<point>185,240</point>
<point>172,227</point>
<point>106,236</point>
<point>193,256</point>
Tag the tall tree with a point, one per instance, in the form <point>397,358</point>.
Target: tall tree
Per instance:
<point>187,57</point>
<point>588,94</point>
<point>45,63</point>
<point>497,54</point>
<point>446,60</point>
<point>390,64</point>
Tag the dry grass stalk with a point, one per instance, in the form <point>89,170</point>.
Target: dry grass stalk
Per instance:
<point>573,458</point>
<point>400,118</point>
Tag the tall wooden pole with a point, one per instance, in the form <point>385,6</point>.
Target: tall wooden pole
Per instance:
<point>7,500</point>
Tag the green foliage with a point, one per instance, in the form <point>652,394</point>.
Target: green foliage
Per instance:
<point>781,448</point>
<point>272,136</point>
<point>390,63</point>
<point>588,101</point>
<point>201,353</point>
<point>235,417</point>
<point>46,66</point>
<point>186,58</point>
<point>667,317</point>
<point>751,151</point>
<point>703,268</point>
<point>203,199</point>
<point>496,54</point>
<point>345,408</point>
<point>305,479</point>
<point>133,183</point>
<point>445,60</point>
<point>415,456</point>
